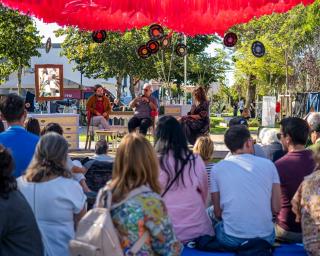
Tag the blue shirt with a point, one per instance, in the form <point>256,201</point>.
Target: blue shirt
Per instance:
<point>22,145</point>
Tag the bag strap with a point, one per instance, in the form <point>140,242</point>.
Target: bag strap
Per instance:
<point>137,245</point>
<point>171,183</point>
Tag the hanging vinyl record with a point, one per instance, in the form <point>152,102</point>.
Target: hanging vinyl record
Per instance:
<point>99,36</point>
<point>230,39</point>
<point>181,50</point>
<point>165,42</point>
<point>156,32</point>
<point>48,45</point>
<point>153,46</point>
<point>143,52</point>
<point>258,49</point>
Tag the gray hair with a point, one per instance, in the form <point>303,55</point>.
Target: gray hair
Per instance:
<point>313,120</point>
<point>269,137</point>
<point>49,158</point>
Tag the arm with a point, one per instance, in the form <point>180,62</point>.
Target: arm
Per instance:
<point>296,203</point>
<point>90,104</point>
<point>216,205</point>
<point>157,222</point>
<point>77,217</point>
<point>76,169</point>
<point>133,103</point>
<point>107,109</point>
<point>203,181</point>
<point>276,199</point>
<point>153,106</point>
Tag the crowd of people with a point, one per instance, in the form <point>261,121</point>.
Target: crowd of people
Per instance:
<point>267,191</point>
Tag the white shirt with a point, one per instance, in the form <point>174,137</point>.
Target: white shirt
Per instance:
<point>54,203</point>
<point>245,185</point>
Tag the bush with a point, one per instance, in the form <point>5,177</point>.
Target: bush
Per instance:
<point>254,123</point>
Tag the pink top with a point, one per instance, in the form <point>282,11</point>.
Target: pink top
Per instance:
<point>186,204</point>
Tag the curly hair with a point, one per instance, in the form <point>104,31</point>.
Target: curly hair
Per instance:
<point>7,180</point>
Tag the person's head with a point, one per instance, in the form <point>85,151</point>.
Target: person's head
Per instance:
<point>135,164</point>
<point>294,131</point>
<point>238,140</point>
<point>315,133</point>
<point>116,101</point>
<point>98,90</point>
<point>199,94</point>
<point>147,89</point>
<point>238,121</point>
<point>32,125</point>
<point>12,109</point>
<point>270,136</point>
<point>52,127</point>
<point>101,147</point>
<point>49,159</point>
<point>245,113</point>
<point>2,129</point>
<point>204,147</point>
<point>7,181</point>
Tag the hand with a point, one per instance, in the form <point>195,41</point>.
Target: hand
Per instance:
<point>105,115</point>
<point>98,114</point>
<point>145,99</point>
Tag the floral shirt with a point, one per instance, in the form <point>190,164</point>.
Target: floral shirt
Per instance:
<point>306,206</point>
<point>146,211</point>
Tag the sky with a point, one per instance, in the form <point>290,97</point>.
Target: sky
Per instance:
<point>47,30</point>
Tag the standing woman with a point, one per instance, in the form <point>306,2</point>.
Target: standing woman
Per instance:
<point>57,201</point>
<point>136,168</point>
<point>184,181</point>
<point>197,122</point>
<point>19,232</point>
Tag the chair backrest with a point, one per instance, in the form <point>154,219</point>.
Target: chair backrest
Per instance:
<point>98,174</point>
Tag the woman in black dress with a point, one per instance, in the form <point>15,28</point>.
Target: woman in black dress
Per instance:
<point>197,122</point>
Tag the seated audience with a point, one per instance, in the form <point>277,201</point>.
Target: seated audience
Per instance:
<point>292,169</point>
<point>204,147</point>
<point>197,122</point>
<point>271,143</point>
<point>245,192</point>
<point>306,206</point>
<point>246,113</point>
<point>257,149</point>
<point>313,120</point>
<point>183,180</point>
<point>143,105</point>
<point>32,125</point>
<point>19,232</point>
<point>99,108</point>
<point>136,167</point>
<point>101,154</point>
<point>57,201</point>
<point>75,168</point>
<point>20,142</point>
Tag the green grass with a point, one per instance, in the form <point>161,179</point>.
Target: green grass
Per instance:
<point>221,130</point>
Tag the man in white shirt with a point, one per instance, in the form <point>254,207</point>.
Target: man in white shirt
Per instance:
<point>245,191</point>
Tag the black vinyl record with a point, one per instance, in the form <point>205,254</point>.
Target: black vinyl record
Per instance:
<point>153,46</point>
<point>258,49</point>
<point>99,36</point>
<point>143,52</point>
<point>156,32</point>
<point>181,50</point>
<point>48,45</point>
<point>165,42</point>
<point>230,39</point>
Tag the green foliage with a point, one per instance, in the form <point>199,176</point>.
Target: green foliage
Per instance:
<point>19,41</point>
<point>254,123</point>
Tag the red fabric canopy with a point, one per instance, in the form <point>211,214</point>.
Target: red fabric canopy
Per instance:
<point>191,17</point>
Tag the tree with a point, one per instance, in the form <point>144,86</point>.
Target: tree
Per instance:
<point>19,40</point>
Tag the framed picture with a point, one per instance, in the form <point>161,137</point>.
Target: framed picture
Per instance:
<point>49,82</point>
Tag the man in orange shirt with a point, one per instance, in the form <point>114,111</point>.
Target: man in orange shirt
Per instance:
<point>99,108</point>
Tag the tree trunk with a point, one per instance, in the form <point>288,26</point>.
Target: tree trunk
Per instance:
<point>251,90</point>
<point>133,83</point>
<point>119,79</point>
<point>19,79</point>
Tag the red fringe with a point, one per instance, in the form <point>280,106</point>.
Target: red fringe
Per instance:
<point>191,17</point>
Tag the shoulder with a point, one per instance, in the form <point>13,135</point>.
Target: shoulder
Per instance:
<point>153,99</point>
<point>150,202</point>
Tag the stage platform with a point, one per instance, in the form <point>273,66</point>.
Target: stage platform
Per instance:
<point>282,250</point>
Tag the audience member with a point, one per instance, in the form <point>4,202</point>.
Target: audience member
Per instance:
<point>292,169</point>
<point>58,202</point>
<point>258,151</point>
<point>76,170</point>
<point>32,125</point>
<point>306,206</point>
<point>245,192</point>
<point>184,181</point>
<point>19,232</point>
<point>314,123</point>
<point>197,122</point>
<point>246,113</point>
<point>101,154</point>
<point>2,128</point>
<point>20,142</point>
<point>135,167</point>
<point>143,106</point>
<point>271,143</point>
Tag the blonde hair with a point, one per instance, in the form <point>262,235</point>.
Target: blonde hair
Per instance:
<point>49,158</point>
<point>204,147</point>
<point>136,164</point>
